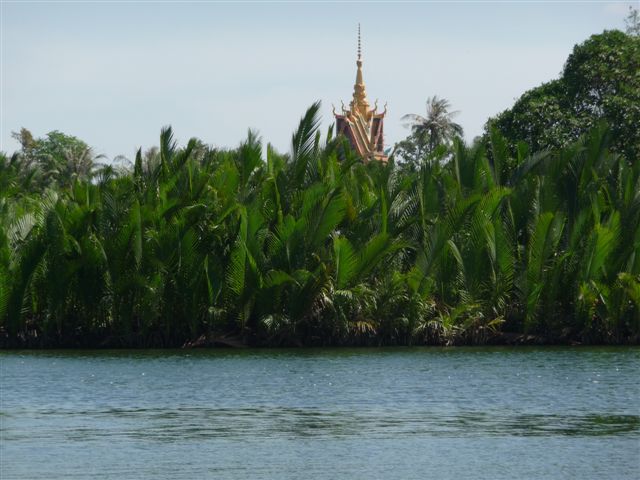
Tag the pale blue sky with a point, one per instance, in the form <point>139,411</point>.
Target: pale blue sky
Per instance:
<point>114,73</point>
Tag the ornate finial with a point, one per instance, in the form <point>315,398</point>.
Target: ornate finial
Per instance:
<point>362,126</point>
<point>359,102</point>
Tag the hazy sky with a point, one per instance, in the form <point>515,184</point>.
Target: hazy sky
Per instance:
<point>114,73</point>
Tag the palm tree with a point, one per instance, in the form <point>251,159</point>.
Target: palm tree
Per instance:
<point>435,129</point>
<point>315,247</point>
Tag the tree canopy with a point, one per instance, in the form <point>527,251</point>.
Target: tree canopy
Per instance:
<point>599,82</point>
<point>57,158</point>
<point>436,129</point>
<point>194,245</point>
<point>532,234</point>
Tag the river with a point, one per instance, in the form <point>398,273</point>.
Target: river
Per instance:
<point>402,413</point>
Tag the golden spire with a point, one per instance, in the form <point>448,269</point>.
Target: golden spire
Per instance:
<point>359,102</point>
<point>360,125</point>
<point>359,46</point>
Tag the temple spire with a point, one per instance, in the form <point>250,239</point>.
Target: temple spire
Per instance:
<point>359,102</point>
<point>362,126</point>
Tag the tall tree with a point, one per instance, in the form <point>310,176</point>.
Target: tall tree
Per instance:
<point>633,22</point>
<point>436,128</point>
<point>599,82</point>
<point>59,158</point>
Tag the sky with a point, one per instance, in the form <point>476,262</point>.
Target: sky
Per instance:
<point>113,73</point>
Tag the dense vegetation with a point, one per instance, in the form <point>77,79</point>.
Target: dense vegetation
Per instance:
<point>474,244</point>
<point>599,82</point>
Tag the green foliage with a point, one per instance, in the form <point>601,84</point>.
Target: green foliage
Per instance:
<point>55,160</point>
<point>195,243</point>
<point>436,130</point>
<point>599,82</point>
<point>533,232</point>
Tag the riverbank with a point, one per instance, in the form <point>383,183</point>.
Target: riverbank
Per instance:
<point>36,342</point>
<point>319,248</point>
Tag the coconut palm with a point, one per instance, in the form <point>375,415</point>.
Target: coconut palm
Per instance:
<point>435,129</point>
<point>315,247</point>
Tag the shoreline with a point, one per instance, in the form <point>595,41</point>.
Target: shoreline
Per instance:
<point>231,343</point>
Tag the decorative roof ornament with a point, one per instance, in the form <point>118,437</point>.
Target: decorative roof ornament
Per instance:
<point>359,102</point>
<point>360,124</point>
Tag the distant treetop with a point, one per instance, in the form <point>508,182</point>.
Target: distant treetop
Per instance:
<point>599,82</point>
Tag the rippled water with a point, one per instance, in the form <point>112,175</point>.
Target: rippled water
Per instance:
<point>462,413</point>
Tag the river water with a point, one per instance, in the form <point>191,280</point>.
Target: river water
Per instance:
<point>458,413</point>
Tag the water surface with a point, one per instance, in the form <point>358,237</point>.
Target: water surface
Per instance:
<point>460,413</point>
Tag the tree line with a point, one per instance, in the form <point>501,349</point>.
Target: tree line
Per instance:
<point>491,242</point>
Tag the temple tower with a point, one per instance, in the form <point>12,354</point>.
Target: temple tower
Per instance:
<point>360,124</point>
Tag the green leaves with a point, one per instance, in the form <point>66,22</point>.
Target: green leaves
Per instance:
<point>316,247</point>
<point>303,144</point>
<point>599,82</point>
<point>346,262</point>
<point>324,218</point>
<point>428,133</point>
<point>602,242</point>
<point>352,268</point>
<point>546,232</point>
